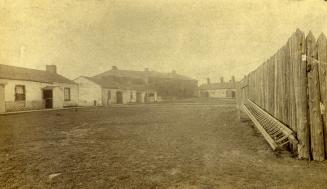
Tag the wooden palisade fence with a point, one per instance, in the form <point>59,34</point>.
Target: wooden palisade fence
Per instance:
<point>292,87</point>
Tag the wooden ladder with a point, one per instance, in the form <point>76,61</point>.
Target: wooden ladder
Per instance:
<point>275,132</point>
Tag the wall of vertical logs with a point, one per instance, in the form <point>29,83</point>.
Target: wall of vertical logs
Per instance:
<point>291,85</point>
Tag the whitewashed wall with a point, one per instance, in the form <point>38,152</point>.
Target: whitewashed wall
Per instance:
<point>113,100</point>
<point>58,95</point>
<point>74,93</point>
<point>34,95</point>
<point>89,92</point>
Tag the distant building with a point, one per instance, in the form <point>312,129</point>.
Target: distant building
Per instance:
<point>29,89</point>
<point>218,90</point>
<point>165,84</point>
<point>106,91</point>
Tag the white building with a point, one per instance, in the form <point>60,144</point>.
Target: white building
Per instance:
<point>29,89</point>
<point>104,92</point>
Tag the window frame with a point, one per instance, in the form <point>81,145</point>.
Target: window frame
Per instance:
<point>16,94</point>
<point>69,94</point>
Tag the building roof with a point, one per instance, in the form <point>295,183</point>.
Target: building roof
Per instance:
<point>109,83</point>
<point>142,74</point>
<point>214,86</point>
<point>26,74</point>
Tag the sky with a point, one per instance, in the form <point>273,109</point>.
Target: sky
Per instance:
<point>200,39</point>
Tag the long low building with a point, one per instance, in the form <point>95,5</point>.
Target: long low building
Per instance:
<point>218,90</point>
<point>30,89</point>
<point>104,92</point>
<point>128,86</point>
<point>169,84</point>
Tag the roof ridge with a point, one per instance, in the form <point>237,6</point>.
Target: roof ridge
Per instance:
<point>145,74</point>
<point>30,74</point>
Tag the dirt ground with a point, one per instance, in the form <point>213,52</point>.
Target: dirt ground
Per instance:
<point>184,145</point>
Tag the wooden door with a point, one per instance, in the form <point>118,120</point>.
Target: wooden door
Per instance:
<point>48,98</point>
<point>139,97</point>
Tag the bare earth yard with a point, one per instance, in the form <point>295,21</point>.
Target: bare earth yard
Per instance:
<point>145,146</point>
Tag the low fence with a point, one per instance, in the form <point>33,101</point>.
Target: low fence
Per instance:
<point>291,86</point>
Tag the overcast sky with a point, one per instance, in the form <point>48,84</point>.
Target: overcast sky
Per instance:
<point>200,39</point>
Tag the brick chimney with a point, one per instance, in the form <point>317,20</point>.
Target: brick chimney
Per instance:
<point>114,68</point>
<point>222,80</point>
<point>208,81</point>
<point>51,69</point>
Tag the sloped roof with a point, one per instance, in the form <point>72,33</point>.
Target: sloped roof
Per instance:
<point>142,74</point>
<point>102,83</point>
<point>111,84</point>
<point>213,86</point>
<point>26,74</point>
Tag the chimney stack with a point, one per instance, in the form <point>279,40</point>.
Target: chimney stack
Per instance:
<point>146,69</point>
<point>222,80</point>
<point>114,68</point>
<point>208,81</point>
<point>51,69</point>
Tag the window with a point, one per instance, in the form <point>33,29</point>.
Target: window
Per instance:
<point>67,94</point>
<point>19,93</point>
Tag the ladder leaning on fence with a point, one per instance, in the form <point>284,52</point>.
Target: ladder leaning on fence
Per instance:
<point>275,132</point>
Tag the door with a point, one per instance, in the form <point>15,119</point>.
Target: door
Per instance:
<point>233,94</point>
<point>2,99</point>
<point>206,94</point>
<point>48,98</point>
<point>138,97</point>
<point>119,95</point>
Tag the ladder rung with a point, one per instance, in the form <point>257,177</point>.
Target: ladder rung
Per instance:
<point>275,132</point>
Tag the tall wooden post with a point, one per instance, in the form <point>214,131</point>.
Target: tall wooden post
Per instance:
<point>316,127</point>
<point>291,103</point>
<point>300,91</point>
<point>322,56</point>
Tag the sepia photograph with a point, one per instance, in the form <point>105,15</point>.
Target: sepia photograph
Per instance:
<point>163,94</point>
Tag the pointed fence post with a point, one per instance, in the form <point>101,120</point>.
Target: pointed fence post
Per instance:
<point>316,127</point>
<point>300,91</point>
<point>322,56</point>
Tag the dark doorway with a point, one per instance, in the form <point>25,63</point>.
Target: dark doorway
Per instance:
<point>48,98</point>
<point>206,94</point>
<point>119,96</point>
<point>233,94</point>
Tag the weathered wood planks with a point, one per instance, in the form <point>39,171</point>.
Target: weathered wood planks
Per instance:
<point>316,125</point>
<point>300,91</point>
<point>322,56</point>
<point>293,89</point>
